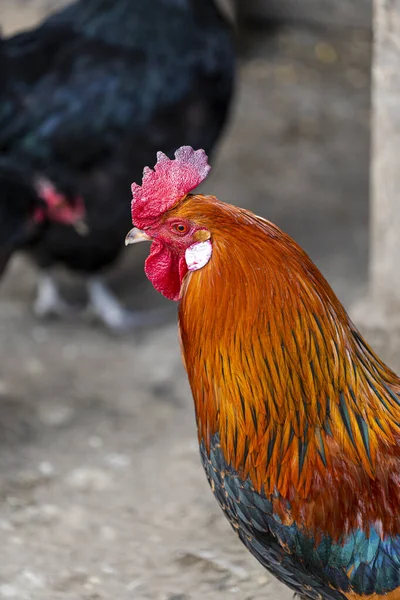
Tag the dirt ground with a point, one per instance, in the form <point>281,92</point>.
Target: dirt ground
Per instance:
<point>102,495</point>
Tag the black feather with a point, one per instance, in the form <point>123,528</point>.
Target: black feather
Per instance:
<point>91,94</point>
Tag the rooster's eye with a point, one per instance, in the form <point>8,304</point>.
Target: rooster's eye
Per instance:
<point>180,228</point>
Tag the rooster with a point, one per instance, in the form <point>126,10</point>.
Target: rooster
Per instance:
<point>87,97</point>
<point>298,420</point>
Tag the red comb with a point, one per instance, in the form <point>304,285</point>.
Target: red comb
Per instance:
<point>170,181</point>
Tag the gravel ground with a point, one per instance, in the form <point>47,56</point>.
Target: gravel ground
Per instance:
<point>102,495</point>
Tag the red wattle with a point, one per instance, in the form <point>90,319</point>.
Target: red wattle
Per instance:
<point>165,270</point>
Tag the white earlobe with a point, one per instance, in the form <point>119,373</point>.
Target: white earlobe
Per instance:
<point>198,255</point>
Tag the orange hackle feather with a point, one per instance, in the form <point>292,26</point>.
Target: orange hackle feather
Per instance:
<point>302,405</point>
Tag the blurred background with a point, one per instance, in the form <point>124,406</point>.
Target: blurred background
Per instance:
<point>101,490</point>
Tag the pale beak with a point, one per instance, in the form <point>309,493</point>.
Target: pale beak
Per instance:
<point>81,227</point>
<point>136,235</point>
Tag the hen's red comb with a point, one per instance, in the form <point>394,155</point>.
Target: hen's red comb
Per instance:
<point>170,181</point>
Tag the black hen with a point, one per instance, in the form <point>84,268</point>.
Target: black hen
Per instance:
<point>88,98</point>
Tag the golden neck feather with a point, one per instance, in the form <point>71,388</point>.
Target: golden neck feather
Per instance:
<point>275,365</point>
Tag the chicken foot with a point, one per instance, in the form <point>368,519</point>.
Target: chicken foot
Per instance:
<point>104,304</point>
<point>48,302</point>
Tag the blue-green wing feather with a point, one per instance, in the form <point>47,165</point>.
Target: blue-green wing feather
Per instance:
<point>361,562</point>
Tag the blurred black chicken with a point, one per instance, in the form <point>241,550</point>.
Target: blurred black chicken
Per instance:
<point>87,99</point>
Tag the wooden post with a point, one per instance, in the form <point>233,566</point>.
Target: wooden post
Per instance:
<point>339,13</point>
<point>228,9</point>
<point>385,174</point>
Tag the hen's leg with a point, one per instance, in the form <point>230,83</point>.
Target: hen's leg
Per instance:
<point>110,312</point>
<point>48,302</point>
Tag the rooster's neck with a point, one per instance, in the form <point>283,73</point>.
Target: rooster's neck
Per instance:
<point>276,368</point>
